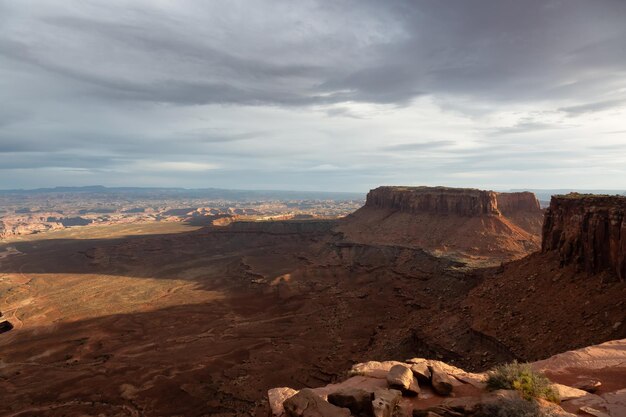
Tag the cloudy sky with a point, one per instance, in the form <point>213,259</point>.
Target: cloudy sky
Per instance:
<point>313,95</point>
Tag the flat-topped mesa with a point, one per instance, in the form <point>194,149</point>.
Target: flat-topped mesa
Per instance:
<point>467,202</point>
<point>515,202</point>
<point>589,231</point>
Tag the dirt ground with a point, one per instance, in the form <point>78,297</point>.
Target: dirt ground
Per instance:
<point>203,322</point>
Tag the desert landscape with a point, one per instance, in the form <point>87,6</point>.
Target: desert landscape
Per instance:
<point>355,208</point>
<point>167,318</point>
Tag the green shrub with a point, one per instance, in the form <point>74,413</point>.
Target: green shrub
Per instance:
<point>521,377</point>
<point>512,408</point>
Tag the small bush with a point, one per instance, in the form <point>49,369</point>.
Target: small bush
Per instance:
<point>521,377</point>
<point>512,408</point>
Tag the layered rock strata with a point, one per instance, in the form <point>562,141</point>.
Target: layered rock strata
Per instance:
<point>588,231</point>
<point>475,226</point>
<point>445,200</point>
<point>438,200</point>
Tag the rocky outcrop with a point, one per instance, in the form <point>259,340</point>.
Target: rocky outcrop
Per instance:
<point>467,202</point>
<point>437,200</point>
<point>510,203</point>
<point>471,396</point>
<point>588,231</point>
<point>460,223</point>
<point>307,403</point>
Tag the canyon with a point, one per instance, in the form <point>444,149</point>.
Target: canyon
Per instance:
<point>201,321</point>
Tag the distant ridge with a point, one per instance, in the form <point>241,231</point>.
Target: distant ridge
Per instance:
<point>211,193</point>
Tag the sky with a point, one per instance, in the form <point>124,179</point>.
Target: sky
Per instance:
<point>313,95</point>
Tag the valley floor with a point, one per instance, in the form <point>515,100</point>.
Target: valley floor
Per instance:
<point>203,322</point>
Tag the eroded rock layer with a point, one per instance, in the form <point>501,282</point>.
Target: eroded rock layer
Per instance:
<point>510,203</point>
<point>439,200</point>
<point>462,223</point>
<point>588,231</point>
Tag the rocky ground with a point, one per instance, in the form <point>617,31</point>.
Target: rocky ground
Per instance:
<point>588,382</point>
<point>204,322</point>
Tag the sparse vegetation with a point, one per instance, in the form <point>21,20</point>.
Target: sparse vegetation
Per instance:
<point>510,408</point>
<point>521,377</point>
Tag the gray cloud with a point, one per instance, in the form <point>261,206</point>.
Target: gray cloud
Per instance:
<point>420,146</point>
<point>268,89</point>
<point>493,49</point>
<point>594,107</point>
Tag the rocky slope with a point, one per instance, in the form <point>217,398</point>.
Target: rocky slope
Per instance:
<point>588,231</point>
<point>429,388</point>
<point>475,226</point>
<point>578,277</point>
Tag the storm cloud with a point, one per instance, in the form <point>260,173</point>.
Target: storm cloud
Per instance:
<point>240,94</point>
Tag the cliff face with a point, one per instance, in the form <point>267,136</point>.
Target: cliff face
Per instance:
<point>466,202</point>
<point>463,223</point>
<point>589,231</point>
<point>438,200</point>
<point>509,203</point>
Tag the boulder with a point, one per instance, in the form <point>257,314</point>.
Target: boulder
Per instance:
<point>442,383</point>
<point>373,369</point>
<point>385,401</point>
<point>358,401</point>
<point>467,405</point>
<point>400,377</point>
<point>421,372</point>
<point>594,412</point>
<point>589,385</point>
<point>308,404</point>
<point>276,398</point>
<point>568,393</point>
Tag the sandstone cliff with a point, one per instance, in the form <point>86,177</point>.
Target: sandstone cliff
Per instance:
<point>511,203</point>
<point>475,226</point>
<point>573,290</point>
<point>437,200</point>
<point>588,231</point>
<point>446,200</point>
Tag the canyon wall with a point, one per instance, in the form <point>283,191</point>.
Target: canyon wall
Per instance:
<point>438,200</point>
<point>462,223</point>
<point>589,231</point>
<point>467,202</point>
<point>509,203</point>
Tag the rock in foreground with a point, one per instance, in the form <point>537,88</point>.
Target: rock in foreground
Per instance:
<point>453,392</point>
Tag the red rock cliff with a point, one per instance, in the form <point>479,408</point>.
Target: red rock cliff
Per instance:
<point>439,200</point>
<point>444,200</point>
<point>589,231</point>
<point>515,202</point>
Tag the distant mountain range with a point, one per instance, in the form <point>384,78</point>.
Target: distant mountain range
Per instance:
<point>209,193</point>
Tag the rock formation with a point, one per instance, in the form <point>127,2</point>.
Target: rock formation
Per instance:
<point>466,224</point>
<point>374,382</point>
<point>511,203</point>
<point>588,231</point>
<point>446,200</point>
<point>437,200</point>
